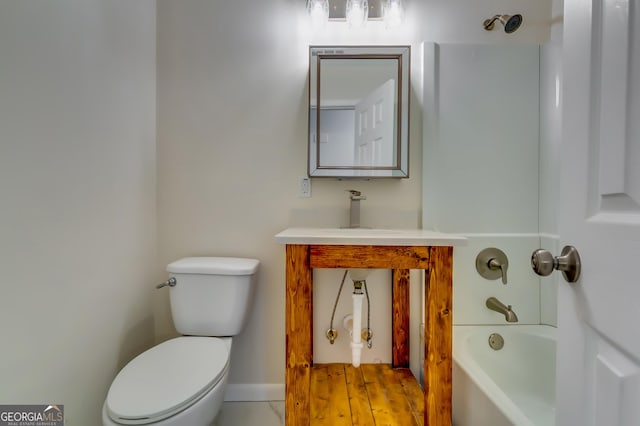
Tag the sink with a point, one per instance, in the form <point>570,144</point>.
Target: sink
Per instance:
<point>366,236</point>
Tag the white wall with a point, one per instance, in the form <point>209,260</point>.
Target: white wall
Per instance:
<point>481,126</point>
<point>77,190</point>
<point>232,132</point>
<point>481,143</point>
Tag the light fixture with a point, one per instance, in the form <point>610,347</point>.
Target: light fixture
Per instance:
<point>318,11</point>
<point>357,12</point>
<point>393,13</point>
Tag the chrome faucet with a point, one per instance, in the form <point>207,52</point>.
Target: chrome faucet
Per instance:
<point>354,213</point>
<point>496,305</point>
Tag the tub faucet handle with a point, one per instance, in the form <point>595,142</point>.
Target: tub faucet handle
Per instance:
<point>495,264</point>
<point>492,263</point>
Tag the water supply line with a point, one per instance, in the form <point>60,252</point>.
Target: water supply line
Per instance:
<point>369,335</point>
<point>332,333</point>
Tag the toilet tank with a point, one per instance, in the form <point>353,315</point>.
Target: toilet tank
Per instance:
<point>213,295</point>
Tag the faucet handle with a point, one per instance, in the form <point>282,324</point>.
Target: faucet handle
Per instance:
<point>171,282</point>
<point>356,195</point>
<point>492,263</point>
<point>495,264</point>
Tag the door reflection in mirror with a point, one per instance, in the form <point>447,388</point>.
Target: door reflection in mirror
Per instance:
<point>374,127</point>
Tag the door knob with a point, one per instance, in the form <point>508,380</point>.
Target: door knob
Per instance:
<point>543,263</point>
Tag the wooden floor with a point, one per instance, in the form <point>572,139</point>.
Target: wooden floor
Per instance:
<point>373,394</point>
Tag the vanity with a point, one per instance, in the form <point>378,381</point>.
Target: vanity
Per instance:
<point>400,251</point>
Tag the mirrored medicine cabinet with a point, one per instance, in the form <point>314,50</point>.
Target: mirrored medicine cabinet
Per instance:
<point>359,111</point>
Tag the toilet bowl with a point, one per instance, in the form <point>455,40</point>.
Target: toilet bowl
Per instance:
<point>179,382</point>
<point>182,381</point>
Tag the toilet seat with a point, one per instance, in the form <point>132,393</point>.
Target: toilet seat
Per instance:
<point>167,379</point>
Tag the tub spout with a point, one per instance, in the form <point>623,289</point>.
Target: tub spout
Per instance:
<point>496,305</point>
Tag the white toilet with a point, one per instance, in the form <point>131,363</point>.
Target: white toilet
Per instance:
<point>182,381</point>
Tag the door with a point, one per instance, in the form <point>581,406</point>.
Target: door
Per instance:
<point>374,127</point>
<point>598,364</point>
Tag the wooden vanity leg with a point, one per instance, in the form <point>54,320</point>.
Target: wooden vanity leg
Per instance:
<point>438,337</point>
<point>400,319</point>
<point>299,336</point>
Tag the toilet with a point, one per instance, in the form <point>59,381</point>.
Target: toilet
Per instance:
<point>182,381</point>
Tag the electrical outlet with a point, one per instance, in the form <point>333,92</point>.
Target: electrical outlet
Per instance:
<point>304,187</point>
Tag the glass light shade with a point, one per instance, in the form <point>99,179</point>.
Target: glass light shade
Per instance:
<point>318,12</point>
<point>393,13</point>
<point>357,12</point>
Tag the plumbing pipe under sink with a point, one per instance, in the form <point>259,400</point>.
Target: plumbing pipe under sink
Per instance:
<point>356,339</point>
<point>358,276</point>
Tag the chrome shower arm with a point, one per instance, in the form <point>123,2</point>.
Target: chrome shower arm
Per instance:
<point>490,23</point>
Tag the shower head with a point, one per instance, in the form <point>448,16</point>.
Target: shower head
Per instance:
<point>511,22</point>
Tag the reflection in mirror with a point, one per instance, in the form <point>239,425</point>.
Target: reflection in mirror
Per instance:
<point>359,106</point>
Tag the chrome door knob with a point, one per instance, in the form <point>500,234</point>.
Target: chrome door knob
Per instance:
<point>543,263</point>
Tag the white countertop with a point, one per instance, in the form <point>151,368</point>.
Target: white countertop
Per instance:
<point>369,237</point>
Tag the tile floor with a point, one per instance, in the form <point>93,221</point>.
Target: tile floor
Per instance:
<point>259,413</point>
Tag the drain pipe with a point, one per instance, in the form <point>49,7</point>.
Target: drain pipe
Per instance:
<point>358,276</point>
<point>356,339</point>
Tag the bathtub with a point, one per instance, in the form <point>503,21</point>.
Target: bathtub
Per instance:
<point>511,386</point>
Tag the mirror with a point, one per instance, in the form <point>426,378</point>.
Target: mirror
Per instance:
<point>359,111</point>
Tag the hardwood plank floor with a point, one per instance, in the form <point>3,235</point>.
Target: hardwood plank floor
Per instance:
<point>374,394</point>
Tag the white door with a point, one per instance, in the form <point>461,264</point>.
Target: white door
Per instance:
<point>374,127</point>
<point>598,365</point>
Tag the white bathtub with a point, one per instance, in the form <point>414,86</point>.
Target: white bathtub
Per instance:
<point>511,386</point>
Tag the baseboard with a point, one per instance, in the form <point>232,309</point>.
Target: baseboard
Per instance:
<point>255,392</point>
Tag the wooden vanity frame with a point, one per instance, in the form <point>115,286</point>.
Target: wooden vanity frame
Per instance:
<point>436,261</point>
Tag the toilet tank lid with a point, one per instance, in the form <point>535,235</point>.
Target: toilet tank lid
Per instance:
<point>214,265</point>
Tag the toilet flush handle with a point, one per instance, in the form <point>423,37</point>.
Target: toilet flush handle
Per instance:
<point>171,282</point>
